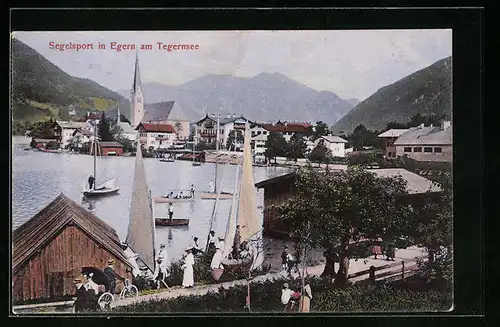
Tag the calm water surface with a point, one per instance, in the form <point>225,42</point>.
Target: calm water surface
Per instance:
<point>37,178</point>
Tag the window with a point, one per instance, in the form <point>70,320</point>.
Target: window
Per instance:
<point>407,149</point>
<point>437,150</point>
<point>264,132</point>
<point>417,149</point>
<point>389,154</point>
<point>427,150</point>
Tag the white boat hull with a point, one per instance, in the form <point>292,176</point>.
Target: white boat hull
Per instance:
<point>106,188</point>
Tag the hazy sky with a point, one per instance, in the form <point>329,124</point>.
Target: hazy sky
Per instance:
<point>352,64</point>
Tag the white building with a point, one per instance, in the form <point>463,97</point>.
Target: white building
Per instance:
<point>64,130</point>
<point>427,143</point>
<point>82,136</point>
<point>127,131</point>
<point>206,128</point>
<point>156,136</point>
<point>260,132</point>
<point>336,144</point>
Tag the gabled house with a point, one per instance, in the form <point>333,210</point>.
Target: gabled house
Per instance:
<point>427,143</point>
<point>167,113</point>
<point>50,250</point>
<point>335,144</point>
<point>260,132</point>
<point>64,130</point>
<point>389,137</point>
<point>156,136</point>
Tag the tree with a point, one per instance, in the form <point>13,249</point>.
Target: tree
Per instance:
<point>331,209</point>
<point>320,129</point>
<point>64,114</point>
<point>276,146</point>
<point>124,119</point>
<point>104,129</point>
<point>296,147</point>
<point>433,230</point>
<point>233,138</point>
<point>320,153</point>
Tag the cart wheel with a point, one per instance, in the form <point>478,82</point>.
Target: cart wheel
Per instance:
<point>130,291</point>
<point>105,301</point>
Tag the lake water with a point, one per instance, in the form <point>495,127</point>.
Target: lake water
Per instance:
<point>38,177</point>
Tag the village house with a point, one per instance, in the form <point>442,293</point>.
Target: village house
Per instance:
<point>206,128</point>
<point>335,144</point>
<point>64,130</point>
<point>82,136</point>
<point>389,137</point>
<point>280,188</point>
<point>50,250</point>
<point>427,144</point>
<point>92,118</point>
<point>260,132</point>
<point>156,136</point>
<point>108,149</point>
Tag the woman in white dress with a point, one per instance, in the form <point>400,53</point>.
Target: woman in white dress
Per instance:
<point>188,280</point>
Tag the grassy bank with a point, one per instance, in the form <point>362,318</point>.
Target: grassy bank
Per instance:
<point>265,297</point>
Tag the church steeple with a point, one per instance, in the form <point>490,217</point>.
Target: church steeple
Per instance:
<point>137,75</point>
<point>137,97</point>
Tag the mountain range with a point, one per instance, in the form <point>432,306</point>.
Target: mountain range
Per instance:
<point>264,97</point>
<point>427,91</point>
<point>41,89</point>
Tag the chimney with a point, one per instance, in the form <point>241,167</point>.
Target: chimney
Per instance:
<point>228,115</point>
<point>431,125</point>
<point>422,125</point>
<point>445,124</point>
<point>286,124</point>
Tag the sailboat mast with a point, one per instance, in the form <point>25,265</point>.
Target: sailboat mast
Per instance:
<point>95,149</point>
<point>216,152</point>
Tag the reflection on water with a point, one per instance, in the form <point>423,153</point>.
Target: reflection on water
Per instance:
<point>38,177</point>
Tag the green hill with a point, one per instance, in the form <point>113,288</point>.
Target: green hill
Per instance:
<point>427,91</point>
<point>40,89</point>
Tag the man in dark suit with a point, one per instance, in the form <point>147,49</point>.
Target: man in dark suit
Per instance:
<point>112,276</point>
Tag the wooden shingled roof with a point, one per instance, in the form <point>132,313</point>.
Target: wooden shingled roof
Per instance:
<point>48,222</point>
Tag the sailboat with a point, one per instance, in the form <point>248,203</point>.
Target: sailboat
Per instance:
<point>105,188</point>
<point>141,234</point>
<point>195,163</point>
<point>243,213</point>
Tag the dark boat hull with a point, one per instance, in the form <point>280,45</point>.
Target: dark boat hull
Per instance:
<point>173,222</point>
<point>102,193</point>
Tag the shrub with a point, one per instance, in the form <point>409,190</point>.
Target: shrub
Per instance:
<point>266,297</point>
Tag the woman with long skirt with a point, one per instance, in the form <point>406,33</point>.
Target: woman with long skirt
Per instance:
<point>188,280</point>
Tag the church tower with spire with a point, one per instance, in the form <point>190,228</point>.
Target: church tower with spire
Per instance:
<point>137,97</point>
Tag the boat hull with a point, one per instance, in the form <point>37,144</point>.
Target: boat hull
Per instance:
<point>213,196</point>
<point>162,199</point>
<point>167,160</point>
<point>173,222</point>
<point>230,266</point>
<point>100,192</point>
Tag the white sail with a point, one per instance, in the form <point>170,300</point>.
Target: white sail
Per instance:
<point>141,228</point>
<point>248,217</point>
<point>231,223</point>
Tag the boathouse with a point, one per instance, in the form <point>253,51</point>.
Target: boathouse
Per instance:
<point>280,188</point>
<point>108,149</point>
<point>50,249</point>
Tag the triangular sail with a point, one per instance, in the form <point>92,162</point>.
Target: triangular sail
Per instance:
<point>248,217</point>
<point>231,223</point>
<point>141,228</point>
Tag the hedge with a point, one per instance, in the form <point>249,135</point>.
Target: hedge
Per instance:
<point>265,297</point>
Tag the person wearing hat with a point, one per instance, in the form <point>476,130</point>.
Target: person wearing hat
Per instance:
<point>286,294</point>
<point>211,240</point>
<point>284,256</point>
<point>82,296</point>
<point>195,247</point>
<point>112,276</point>
<point>188,278</point>
<point>170,210</point>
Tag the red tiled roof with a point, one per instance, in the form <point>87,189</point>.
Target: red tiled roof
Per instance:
<point>289,127</point>
<point>93,116</point>
<point>165,128</point>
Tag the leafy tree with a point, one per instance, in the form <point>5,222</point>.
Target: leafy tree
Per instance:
<point>234,137</point>
<point>320,129</point>
<point>276,146</point>
<point>44,129</point>
<point>331,209</point>
<point>320,153</point>
<point>433,230</point>
<point>296,147</point>
<point>64,114</point>
<point>104,129</point>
